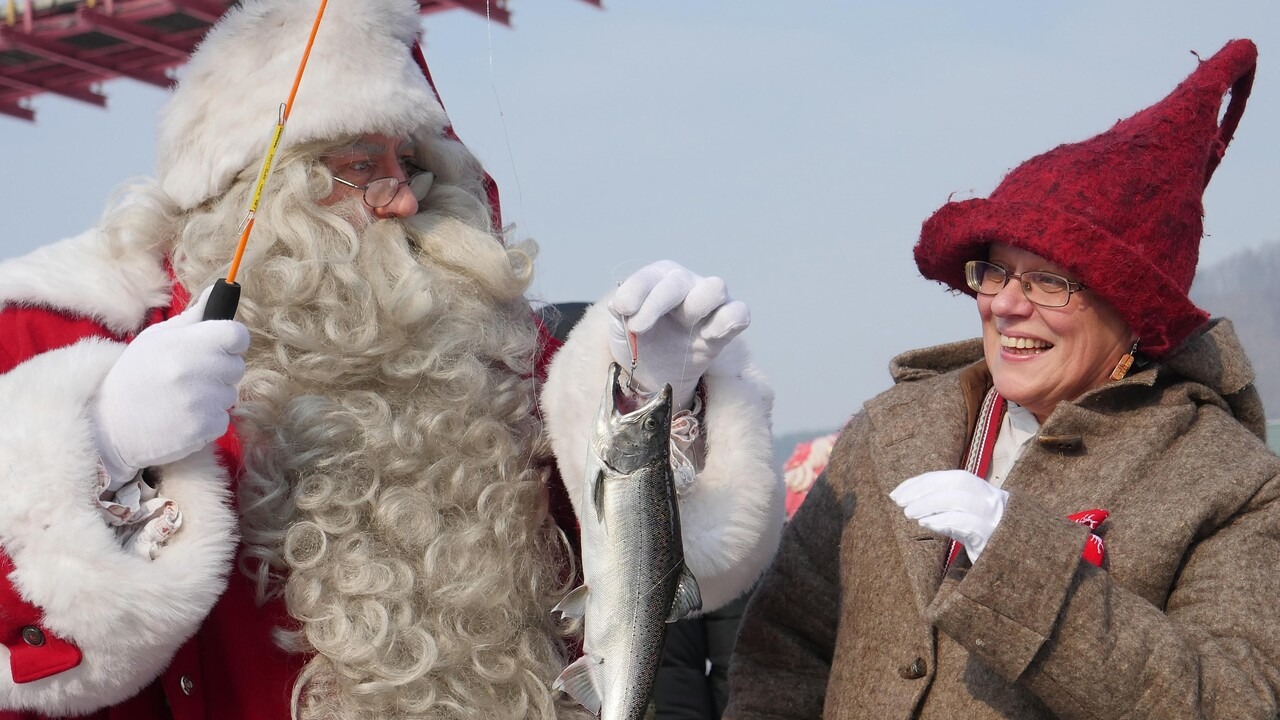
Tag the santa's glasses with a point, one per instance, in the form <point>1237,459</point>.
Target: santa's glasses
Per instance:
<point>379,193</point>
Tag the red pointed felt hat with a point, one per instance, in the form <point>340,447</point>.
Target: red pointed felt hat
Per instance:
<point>1121,211</point>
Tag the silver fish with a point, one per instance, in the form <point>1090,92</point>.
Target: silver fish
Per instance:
<point>634,577</point>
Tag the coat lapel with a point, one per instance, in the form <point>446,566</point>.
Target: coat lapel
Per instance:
<point>903,447</point>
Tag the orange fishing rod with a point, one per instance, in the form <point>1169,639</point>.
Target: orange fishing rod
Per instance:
<point>226,291</point>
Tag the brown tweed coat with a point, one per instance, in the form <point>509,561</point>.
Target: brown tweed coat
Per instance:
<point>855,620</point>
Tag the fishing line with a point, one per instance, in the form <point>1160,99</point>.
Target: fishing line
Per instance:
<point>693,330</point>
<point>506,136</point>
<point>633,340</point>
<point>620,274</point>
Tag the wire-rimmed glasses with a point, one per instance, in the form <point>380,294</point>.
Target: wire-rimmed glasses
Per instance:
<point>380,192</point>
<point>1045,289</point>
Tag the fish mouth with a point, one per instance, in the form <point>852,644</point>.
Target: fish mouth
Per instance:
<point>613,391</point>
<point>621,403</point>
<point>628,423</point>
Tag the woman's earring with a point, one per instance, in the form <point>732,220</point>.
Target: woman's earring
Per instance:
<point>1126,362</point>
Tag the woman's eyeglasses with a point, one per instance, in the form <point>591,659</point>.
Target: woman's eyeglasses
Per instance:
<point>1045,289</point>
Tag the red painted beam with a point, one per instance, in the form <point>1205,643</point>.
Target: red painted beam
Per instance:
<point>59,53</point>
<point>139,35</point>
<point>204,10</point>
<point>492,9</point>
<point>17,111</point>
<point>32,88</point>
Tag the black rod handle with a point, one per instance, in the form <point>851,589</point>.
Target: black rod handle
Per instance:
<point>223,301</point>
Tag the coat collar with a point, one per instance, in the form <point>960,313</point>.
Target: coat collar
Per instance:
<point>1214,360</point>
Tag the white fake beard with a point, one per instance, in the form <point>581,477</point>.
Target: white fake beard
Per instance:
<point>395,470</point>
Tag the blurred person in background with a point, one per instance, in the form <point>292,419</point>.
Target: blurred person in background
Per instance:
<point>1074,515</point>
<point>807,461</point>
<point>382,532</point>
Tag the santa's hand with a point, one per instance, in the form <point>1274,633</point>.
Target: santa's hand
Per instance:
<point>169,393</point>
<point>954,503</point>
<point>681,322</point>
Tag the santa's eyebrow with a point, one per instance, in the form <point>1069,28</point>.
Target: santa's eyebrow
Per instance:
<point>365,146</point>
<point>377,148</point>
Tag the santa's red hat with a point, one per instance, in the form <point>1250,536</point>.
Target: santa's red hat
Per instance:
<point>1121,211</point>
<point>364,75</point>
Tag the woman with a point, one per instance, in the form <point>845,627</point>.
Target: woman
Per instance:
<point>1073,517</point>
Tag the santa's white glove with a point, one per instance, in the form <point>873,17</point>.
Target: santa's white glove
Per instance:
<point>681,321</point>
<point>169,393</point>
<point>955,503</point>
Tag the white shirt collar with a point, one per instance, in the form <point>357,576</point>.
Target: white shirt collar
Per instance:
<point>1017,427</point>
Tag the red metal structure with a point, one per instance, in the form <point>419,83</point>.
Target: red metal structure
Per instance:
<point>70,47</point>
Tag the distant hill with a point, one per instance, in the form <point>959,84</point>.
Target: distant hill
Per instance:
<point>1246,288</point>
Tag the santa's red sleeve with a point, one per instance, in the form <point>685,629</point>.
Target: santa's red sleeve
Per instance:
<point>84,621</point>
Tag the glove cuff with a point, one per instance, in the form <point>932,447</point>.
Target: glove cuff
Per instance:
<point>118,472</point>
<point>686,429</point>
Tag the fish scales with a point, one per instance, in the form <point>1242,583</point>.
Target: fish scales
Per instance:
<point>635,579</point>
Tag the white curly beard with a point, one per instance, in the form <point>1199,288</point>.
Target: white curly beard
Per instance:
<point>395,466</point>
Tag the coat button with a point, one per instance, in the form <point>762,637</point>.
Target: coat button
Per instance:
<point>186,684</point>
<point>915,670</point>
<point>32,636</point>
<point>1062,443</point>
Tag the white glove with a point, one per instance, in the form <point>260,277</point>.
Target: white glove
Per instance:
<point>955,503</point>
<point>681,321</point>
<point>169,393</point>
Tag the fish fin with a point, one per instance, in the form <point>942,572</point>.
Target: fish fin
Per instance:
<point>688,596</point>
<point>578,682</point>
<point>574,604</point>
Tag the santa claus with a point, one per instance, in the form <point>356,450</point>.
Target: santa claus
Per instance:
<point>352,501</point>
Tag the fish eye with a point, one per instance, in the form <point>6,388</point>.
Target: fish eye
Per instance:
<point>650,424</point>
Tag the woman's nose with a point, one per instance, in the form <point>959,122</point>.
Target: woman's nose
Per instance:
<point>1011,300</point>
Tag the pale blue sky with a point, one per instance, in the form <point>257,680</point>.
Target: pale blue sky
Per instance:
<point>793,148</point>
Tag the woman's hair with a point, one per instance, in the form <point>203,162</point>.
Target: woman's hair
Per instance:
<point>395,466</point>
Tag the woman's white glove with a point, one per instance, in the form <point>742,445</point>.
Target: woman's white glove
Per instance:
<point>955,503</point>
<point>169,393</point>
<point>681,321</point>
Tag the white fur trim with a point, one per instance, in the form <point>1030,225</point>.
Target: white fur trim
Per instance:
<point>732,516</point>
<point>83,276</point>
<point>360,78</point>
<point>128,615</point>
